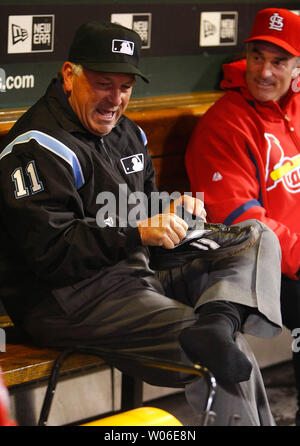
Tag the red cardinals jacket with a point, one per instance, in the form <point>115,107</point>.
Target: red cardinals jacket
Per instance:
<point>245,157</point>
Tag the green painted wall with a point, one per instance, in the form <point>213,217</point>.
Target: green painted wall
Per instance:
<point>173,57</point>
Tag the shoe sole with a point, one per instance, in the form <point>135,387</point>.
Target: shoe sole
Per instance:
<point>233,250</point>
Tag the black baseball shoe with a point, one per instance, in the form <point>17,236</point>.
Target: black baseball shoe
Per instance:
<point>209,242</point>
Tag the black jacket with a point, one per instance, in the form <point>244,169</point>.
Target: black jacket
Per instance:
<point>55,227</point>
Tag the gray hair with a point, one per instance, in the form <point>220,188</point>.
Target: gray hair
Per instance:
<point>77,69</point>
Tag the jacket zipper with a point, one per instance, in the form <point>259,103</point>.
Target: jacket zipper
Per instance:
<point>104,151</point>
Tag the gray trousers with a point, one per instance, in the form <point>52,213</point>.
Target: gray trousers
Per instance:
<point>146,312</point>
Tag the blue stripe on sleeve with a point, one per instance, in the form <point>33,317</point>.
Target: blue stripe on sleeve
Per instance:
<point>53,145</point>
<point>143,136</point>
<point>240,210</point>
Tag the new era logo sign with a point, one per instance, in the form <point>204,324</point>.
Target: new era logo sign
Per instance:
<point>218,28</point>
<point>30,34</point>
<point>123,47</point>
<point>18,34</point>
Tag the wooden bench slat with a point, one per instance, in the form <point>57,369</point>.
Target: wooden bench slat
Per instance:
<point>168,133</point>
<point>24,363</point>
<point>5,321</point>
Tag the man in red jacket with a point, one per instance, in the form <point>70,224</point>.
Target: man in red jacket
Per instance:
<point>245,152</point>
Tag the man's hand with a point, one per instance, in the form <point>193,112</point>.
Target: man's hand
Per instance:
<point>168,229</point>
<point>192,205</point>
<point>165,230</point>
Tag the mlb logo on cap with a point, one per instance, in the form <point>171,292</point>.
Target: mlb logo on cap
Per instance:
<point>108,48</point>
<point>123,46</point>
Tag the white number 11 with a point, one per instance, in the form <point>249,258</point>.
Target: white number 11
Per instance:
<point>18,178</point>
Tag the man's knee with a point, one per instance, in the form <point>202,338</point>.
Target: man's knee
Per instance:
<point>264,230</point>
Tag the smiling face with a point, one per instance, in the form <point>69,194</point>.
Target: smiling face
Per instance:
<point>270,70</point>
<point>98,99</point>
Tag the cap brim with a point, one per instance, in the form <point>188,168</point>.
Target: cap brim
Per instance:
<point>110,67</point>
<point>275,41</point>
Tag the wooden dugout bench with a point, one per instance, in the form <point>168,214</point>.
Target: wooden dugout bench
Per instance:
<point>168,122</point>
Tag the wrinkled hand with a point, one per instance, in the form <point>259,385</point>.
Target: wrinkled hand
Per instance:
<point>165,230</point>
<point>168,229</point>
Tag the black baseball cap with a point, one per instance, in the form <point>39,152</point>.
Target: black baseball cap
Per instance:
<point>107,47</point>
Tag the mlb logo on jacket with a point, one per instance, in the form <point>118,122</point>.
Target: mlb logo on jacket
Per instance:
<point>133,163</point>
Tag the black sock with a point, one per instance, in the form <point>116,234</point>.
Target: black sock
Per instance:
<point>210,341</point>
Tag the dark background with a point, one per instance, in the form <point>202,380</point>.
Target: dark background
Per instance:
<point>175,62</point>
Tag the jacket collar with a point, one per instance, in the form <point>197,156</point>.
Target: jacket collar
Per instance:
<point>61,108</point>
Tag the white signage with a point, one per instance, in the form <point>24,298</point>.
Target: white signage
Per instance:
<point>30,34</point>
<point>218,28</point>
<point>139,22</point>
